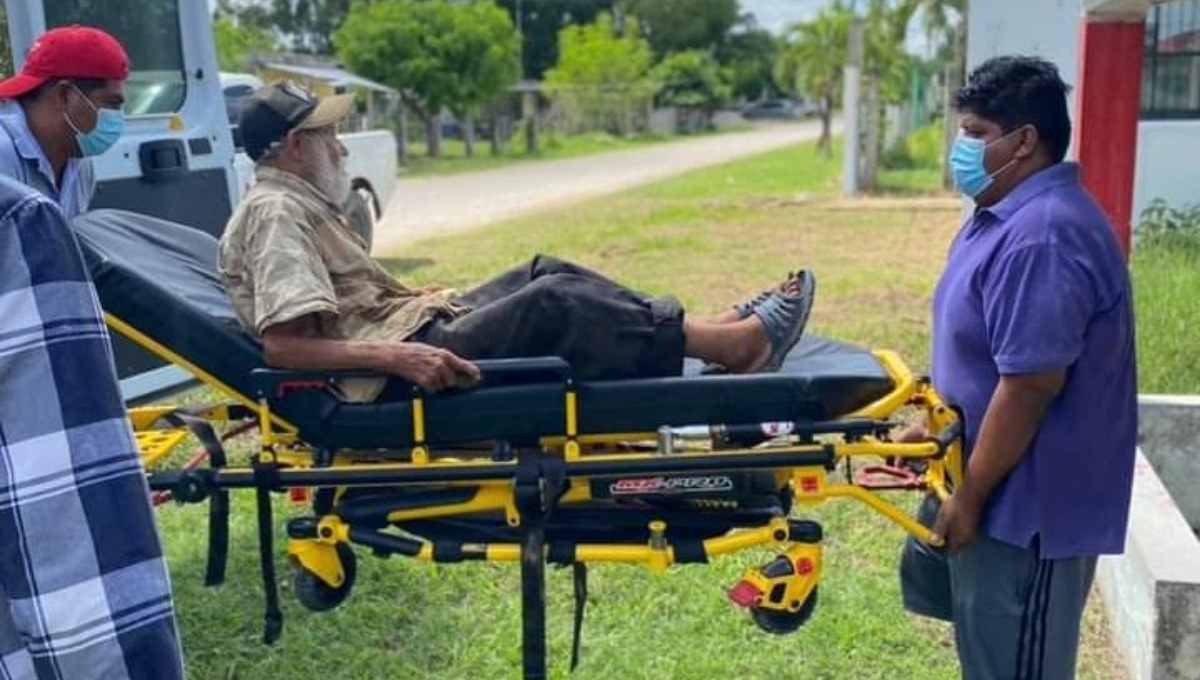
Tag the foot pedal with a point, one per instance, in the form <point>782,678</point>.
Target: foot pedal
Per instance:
<point>889,477</point>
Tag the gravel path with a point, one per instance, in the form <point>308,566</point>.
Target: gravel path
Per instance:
<point>425,206</point>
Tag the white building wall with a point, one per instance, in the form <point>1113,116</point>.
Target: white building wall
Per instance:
<point>1168,164</point>
<point>1168,160</point>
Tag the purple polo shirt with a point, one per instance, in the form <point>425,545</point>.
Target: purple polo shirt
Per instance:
<point>1037,282</point>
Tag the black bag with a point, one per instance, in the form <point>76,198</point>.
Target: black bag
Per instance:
<point>924,570</point>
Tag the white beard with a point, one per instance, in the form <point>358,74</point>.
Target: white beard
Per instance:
<point>331,179</point>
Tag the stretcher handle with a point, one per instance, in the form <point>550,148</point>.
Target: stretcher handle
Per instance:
<point>530,369</point>
<point>947,436</point>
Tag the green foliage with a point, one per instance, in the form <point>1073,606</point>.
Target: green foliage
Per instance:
<point>691,79</point>
<point>749,56</point>
<point>438,55</point>
<point>1165,269</point>
<point>309,24</point>
<point>1173,227</point>
<point>602,77</point>
<point>814,53</point>
<point>235,43</point>
<point>6,65</point>
<point>540,22</point>
<point>680,25</point>
<point>920,149</point>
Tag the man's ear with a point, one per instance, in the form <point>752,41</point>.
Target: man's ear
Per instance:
<point>293,147</point>
<point>1029,142</point>
<point>61,93</point>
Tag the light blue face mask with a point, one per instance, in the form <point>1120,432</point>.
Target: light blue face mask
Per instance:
<point>966,164</point>
<point>110,125</point>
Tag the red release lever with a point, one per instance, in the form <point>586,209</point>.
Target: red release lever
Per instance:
<point>744,594</point>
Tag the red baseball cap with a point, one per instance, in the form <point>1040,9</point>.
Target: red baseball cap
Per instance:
<point>68,52</point>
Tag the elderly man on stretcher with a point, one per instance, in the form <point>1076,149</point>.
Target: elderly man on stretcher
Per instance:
<point>302,281</point>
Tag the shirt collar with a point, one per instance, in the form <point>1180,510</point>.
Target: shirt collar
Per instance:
<point>27,145</point>
<point>1065,172</point>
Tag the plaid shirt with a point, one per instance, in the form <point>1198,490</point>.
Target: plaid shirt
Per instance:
<point>84,589</point>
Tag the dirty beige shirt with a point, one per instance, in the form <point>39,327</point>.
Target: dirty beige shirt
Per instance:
<point>288,252</point>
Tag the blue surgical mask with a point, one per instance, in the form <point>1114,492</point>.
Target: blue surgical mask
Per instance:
<point>966,164</point>
<point>110,124</point>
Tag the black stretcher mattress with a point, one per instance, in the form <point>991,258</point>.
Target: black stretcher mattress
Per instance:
<point>161,278</point>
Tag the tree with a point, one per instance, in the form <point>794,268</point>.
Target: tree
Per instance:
<point>236,43</point>
<point>309,24</point>
<point>679,25</point>
<point>811,61</point>
<point>692,81</point>
<point>602,74</point>
<point>945,22</point>
<point>436,54</point>
<point>484,58</point>
<point>539,22</point>
<point>6,65</point>
<point>749,54</point>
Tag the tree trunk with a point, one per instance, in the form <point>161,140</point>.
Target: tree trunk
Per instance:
<point>497,140</point>
<point>825,142</point>
<point>468,130</point>
<point>955,75</point>
<point>868,179</point>
<point>433,137</point>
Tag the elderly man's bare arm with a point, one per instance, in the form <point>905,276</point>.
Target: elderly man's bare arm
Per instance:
<point>296,344</point>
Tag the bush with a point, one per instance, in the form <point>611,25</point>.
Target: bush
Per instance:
<point>921,149</point>
<point>1161,225</point>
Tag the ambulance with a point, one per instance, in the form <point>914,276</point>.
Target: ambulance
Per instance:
<point>177,159</point>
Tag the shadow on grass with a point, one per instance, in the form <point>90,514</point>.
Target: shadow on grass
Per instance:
<point>405,265</point>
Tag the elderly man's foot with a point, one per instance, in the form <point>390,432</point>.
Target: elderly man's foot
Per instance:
<point>782,314</point>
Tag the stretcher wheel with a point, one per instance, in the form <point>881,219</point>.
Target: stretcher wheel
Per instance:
<point>780,622</point>
<point>317,595</point>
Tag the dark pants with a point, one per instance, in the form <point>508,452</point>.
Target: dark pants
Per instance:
<point>1016,615</point>
<point>548,307</point>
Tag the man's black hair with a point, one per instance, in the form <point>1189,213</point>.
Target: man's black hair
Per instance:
<point>1012,91</point>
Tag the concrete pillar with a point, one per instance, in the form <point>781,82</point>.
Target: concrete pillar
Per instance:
<point>1108,106</point>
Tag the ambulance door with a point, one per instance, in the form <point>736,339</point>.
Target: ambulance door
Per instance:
<point>175,160</point>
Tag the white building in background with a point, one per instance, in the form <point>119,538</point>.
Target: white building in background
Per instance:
<point>1168,130</point>
<point>1168,161</point>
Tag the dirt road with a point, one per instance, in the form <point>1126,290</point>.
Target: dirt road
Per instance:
<point>422,207</point>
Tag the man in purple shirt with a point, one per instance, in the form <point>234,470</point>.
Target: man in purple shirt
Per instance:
<point>1033,339</point>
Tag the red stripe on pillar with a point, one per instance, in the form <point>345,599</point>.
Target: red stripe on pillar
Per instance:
<point>1108,106</point>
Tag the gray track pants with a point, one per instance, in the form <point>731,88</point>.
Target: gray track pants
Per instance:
<point>1016,616</point>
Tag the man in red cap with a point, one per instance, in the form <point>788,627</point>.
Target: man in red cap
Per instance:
<point>61,109</point>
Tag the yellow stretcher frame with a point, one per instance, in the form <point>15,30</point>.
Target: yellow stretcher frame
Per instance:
<point>323,563</point>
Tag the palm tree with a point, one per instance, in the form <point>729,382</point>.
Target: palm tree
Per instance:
<point>811,61</point>
<point>945,24</point>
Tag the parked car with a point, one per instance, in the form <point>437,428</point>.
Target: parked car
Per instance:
<point>770,109</point>
<point>780,109</point>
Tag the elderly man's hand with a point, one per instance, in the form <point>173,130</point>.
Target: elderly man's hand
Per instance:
<point>431,368</point>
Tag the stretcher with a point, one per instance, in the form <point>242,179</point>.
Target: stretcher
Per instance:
<point>531,466</point>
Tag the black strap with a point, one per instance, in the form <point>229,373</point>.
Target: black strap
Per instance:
<point>272,617</point>
<point>528,490</point>
<point>218,502</point>
<point>580,580</point>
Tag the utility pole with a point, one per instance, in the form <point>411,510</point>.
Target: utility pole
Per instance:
<point>850,105</point>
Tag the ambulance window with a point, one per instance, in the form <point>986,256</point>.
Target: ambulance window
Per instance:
<point>149,30</point>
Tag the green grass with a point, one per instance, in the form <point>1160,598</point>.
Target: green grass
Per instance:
<point>453,158</point>
<point>1166,281</point>
<point>710,237</point>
